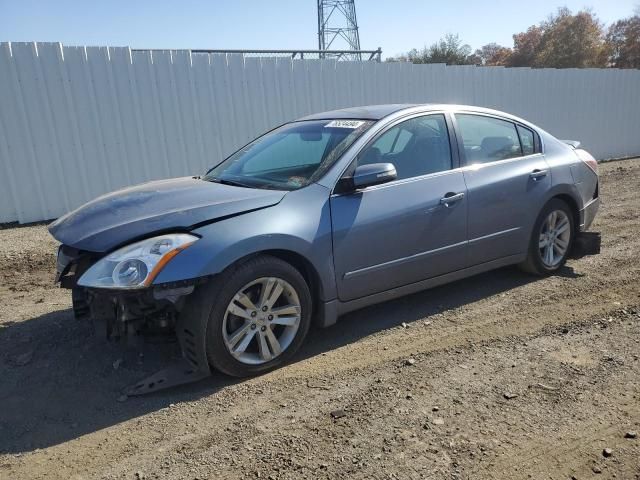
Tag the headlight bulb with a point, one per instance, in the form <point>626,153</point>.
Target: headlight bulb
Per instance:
<point>130,272</point>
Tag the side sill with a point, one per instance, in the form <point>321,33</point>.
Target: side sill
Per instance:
<point>333,309</point>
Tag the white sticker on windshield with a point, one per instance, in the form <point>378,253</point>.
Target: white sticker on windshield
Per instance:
<point>344,124</point>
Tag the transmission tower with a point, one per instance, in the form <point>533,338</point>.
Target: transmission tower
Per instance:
<point>338,28</point>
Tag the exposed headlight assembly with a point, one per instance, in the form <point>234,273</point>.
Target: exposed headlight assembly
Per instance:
<point>136,265</point>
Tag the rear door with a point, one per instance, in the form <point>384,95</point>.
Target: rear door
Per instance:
<point>507,179</point>
<point>401,232</point>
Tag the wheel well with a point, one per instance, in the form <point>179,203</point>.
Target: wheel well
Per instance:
<point>303,266</point>
<point>568,199</point>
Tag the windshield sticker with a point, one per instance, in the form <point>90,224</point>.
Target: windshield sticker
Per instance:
<point>344,124</point>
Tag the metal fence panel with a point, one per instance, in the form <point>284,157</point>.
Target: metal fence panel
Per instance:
<point>77,122</point>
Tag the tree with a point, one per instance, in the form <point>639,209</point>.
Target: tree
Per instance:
<point>492,54</point>
<point>525,47</point>
<point>449,50</point>
<point>623,42</point>
<point>564,40</point>
<point>571,41</point>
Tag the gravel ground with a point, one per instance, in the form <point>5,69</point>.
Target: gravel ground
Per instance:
<point>499,376</point>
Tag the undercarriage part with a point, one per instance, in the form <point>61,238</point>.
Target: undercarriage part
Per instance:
<point>128,316</point>
<point>180,373</point>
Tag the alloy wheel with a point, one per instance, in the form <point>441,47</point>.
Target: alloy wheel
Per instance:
<point>261,321</point>
<point>555,236</point>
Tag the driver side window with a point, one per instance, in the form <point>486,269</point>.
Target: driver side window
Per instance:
<point>416,147</point>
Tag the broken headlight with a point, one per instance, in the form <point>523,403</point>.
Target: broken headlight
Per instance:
<point>136,265</point>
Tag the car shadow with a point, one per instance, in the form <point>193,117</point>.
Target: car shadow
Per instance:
<point>59,381</point>
<point>419,306</point>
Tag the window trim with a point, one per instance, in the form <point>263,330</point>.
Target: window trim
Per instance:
<point>537,142</point>
<point>456,163</point>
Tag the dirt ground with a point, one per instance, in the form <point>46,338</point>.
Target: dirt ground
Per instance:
<point>501,376</point>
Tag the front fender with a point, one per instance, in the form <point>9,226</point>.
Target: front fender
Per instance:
<point>300,224</point>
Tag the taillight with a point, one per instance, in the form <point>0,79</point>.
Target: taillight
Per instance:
<point>588,159</point>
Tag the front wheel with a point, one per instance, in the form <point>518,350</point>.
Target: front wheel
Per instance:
<point>259,318</point>
<point>551,239</point>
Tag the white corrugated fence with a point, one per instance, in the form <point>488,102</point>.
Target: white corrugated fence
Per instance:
<point>76,122</point>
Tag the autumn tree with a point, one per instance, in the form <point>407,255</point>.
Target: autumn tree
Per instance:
<point>525,47</point>
<point>623,41</point>
<point>492,54</point>
<point>564,40</point>
<point>571,41</point>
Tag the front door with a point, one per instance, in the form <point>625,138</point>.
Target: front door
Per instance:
<point>398,233</point>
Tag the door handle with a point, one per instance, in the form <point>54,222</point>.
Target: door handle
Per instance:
<point>451,198</point>
<point>536,174</point>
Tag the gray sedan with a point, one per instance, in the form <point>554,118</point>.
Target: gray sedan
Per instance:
<point>321,216</point>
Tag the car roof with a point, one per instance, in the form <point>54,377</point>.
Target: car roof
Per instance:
<point>369,112</point>
<point>378,112</point>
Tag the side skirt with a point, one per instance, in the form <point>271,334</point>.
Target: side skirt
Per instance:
<point>330,311</point>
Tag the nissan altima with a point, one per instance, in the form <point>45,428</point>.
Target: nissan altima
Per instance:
<point>322,216</point>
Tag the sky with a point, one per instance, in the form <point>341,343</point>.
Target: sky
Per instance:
<point>395,25</point>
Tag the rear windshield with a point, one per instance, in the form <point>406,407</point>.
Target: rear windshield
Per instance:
<point>290,156</point>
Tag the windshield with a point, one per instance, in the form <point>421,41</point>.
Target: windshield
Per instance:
<point>290,156</point>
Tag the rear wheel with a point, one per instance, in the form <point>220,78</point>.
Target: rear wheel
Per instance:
<point>259,318</point>
<point>551,239</point>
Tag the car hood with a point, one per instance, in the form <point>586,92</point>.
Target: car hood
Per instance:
<point>139,211</point>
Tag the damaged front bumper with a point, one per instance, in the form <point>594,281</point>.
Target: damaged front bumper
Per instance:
<point>131,316</point>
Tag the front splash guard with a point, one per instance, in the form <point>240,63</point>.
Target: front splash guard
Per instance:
<point>182,372</point>
<point>192,367</point>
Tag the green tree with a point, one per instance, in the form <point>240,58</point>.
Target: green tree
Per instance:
<point>449,50</point>
<point>623,42</point>
<point>571,41</point>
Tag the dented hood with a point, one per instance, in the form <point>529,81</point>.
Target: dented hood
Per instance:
<point>176,204</point>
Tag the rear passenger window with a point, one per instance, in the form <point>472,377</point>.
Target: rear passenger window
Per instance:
<point>487,139</point>
<point>526,139</point>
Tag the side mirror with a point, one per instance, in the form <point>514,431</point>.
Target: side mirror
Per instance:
<point>373,174</point>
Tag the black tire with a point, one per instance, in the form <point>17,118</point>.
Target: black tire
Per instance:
<point>216,296</point>
<point>534,263</point>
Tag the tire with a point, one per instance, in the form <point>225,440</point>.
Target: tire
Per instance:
<point>219,299</point>
<point>537,261</point>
